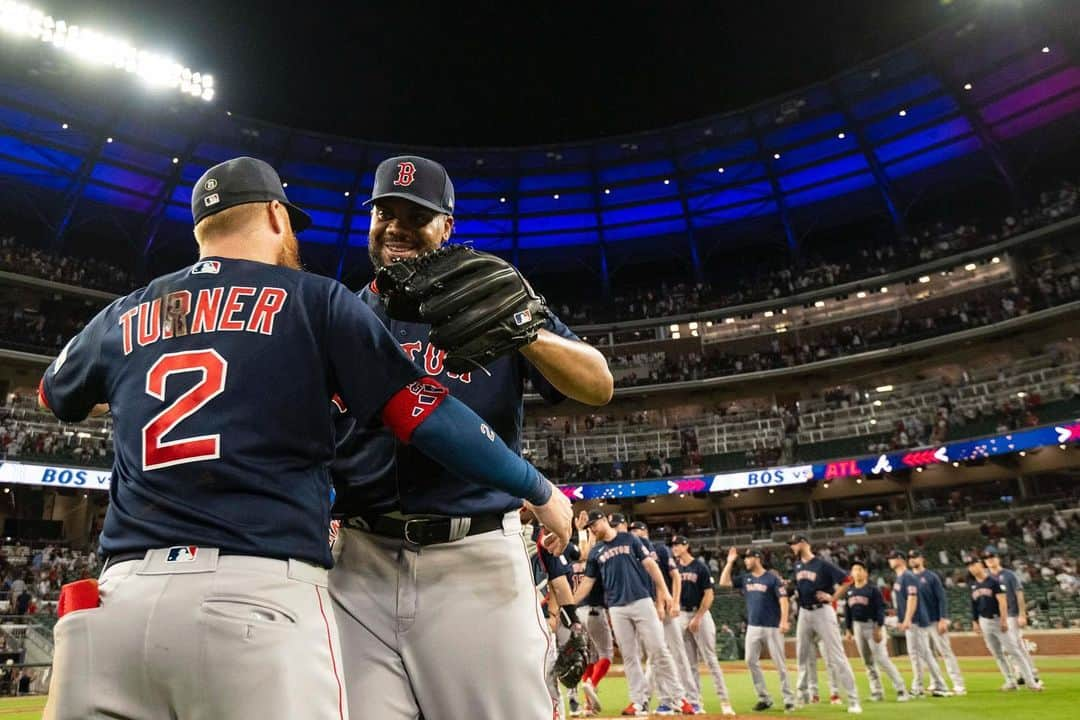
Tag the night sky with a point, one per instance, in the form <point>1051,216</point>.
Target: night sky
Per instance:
<point>508,73</point>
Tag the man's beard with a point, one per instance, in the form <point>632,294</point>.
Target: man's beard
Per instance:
<point>289,255</point>
<point>377,247</point>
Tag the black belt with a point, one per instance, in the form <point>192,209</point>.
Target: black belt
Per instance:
<point>421,532</point>
<point>817,606</point>
<point>139,555</point>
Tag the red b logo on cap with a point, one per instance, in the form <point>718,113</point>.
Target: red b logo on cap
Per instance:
<point>406,173</point>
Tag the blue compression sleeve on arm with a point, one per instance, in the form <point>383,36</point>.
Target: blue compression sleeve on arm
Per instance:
<point>458,439</point>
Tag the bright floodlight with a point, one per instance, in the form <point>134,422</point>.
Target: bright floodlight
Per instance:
<point>97,48</point>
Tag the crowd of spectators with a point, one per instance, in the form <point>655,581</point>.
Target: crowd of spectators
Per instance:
<point>29,434</point>
<point>80,271</point>
<point>825,269</point>
<point>32,576</point>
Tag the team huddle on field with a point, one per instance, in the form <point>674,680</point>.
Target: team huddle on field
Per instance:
<point>656,603</point>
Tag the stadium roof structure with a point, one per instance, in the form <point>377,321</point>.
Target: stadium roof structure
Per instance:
<point>81,152</point>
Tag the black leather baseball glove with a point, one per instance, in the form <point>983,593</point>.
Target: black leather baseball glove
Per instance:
<point>478,305</point>
<point>573,657</point>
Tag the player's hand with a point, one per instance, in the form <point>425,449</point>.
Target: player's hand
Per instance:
<point>1022,621</point>
<point>976,628</point>
<point>848,635</point>
<point>732,554</point>
<point>556,515</point>
<point>694,625</point>
<point>905,626</point>
<point>877,634</point>
<point>824,597</point>
<point>784,627</point>
<point>581,520</point>
<point>942,626</point>
<point>1004,624</point>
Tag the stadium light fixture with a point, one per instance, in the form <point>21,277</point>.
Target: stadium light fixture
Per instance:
<point>826,486</point>
<point>1023,454</point>
<point>918,469</point>
<point>970,267</point>
<point>284,184</point>
<point>768,313</point>
<point>995,259</point>
<point>885,289</point>
<point>720,170</point>
<point>924,279</point>
<point>94,47</point>
<point>607,191</point>
<point>841,136</point>
<point>776,156</point>
<point>873,421</point>
<point>555,196</point>
<point>729,321</point>
<point>175,161</point>
<point>108,139</point>
<point>1063,446</point>
<point>877,403</point>
<point>667,182</point>
<point>735,494</point>
<point>502,199</point>
<point>902,113</point>
<point>967,86</point>
<point>884,388</point>
<point>1046,48</point>
<point>819,304</point>
<point>861,294</point>
<point>64,126</point>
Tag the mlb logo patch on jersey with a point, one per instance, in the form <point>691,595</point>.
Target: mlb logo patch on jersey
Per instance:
<point>182,553</point>
<point>206,267</point>
<point>520,318</point>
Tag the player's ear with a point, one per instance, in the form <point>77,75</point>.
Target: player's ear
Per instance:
<point>448,227</point>
<point>278,216</point>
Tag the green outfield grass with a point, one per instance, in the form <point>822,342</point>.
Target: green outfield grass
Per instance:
<point>984,700</point>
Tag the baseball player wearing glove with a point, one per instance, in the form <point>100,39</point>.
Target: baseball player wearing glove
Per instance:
<point>416,539</point>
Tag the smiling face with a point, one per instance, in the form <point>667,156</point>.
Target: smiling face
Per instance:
<point>402,229</point>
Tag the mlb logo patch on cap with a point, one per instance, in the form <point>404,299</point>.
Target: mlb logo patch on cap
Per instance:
<point>182,553</point>
<point>206,267</point>
<point>522,317</point>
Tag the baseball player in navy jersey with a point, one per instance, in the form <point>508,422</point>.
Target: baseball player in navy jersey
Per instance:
<point>865,623</point>
<point>630,577</point>
<point>1014,598</point>
<point>429,561</point>
<point>990,617</point>
<point>818,584</point>
<point>767,607</point>
<point>933,597</point>
<point>673,632</point>
<point>915,623</point>
<point>213,600</point>
<point>697,629</point>
<point>592,612</point>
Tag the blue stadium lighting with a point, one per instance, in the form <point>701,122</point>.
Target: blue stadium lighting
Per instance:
<point>97,48</point>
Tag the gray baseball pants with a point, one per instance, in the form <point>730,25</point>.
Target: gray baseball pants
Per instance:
<point>594,620</point>
<point>638,623</point>
<point>701,645</point>
<point>205,638</point>
<point>875,655</point>
<point>821,623</point>
<point>767,639</point>
<point>1018,637</point>
<point>687,674</point>
<point>1000,643</point>
<point>424,630</point>
<point>830,673</point>
<point>922,660</point>
<point>939,643</point>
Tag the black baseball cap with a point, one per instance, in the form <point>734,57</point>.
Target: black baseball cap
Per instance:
<point>679,540</point>
<point>754,552</point>
<point>797,538</point>
<point>638,525</point>
<point>914,553</point>
<point>594,515</point>
<point>989,553</point>
<point>424,182</point>
<point>240,181</point>
<point>860,562</point>
<point>894,553</point>
<point>616,519</point>
<point>974,559</point>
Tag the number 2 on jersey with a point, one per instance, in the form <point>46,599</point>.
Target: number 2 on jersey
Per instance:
<point>158,453</point>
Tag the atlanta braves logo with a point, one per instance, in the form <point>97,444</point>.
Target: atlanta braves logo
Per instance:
<point>406,173</point>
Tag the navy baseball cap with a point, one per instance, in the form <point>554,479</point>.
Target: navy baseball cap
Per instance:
<point>894,553</point>
<point>914,553</point>
<point>679,540</point>
<point>240,181</point>
<point>989,553</point>
<point>594,515</point>
<point>797,538</point>
<point>859,562</point>
<point>617,519</point>
<point>754,552</point>
<point>638,525</point>
<point>424,182</point>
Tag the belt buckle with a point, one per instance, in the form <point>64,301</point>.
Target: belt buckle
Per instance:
<point>408,540</point>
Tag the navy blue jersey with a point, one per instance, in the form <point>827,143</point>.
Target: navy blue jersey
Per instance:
<point>984,598</point>
<point>218,378</point>
<point>375,474</point>
<point>1011,583</point>
<point>864,604</point>
<point>618,564</point>
<point>547,567</point>
<point>696,579</point>
<point>932,596</point>
<point>813,576</point>
<point>596,597</point>
<point>763,593</point>
<point>906,589</point>
<point>666,561</point>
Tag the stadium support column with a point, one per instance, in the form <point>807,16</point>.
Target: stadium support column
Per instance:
<point>605,274</point>
<point>781,204</point>
<point>882,180</point>
<point>990,145</point>
<point>346,227</point>
<point>691,240</point>
<point>157,215</point>
<point>1022,487</point>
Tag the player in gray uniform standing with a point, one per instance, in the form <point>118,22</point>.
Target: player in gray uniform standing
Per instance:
<point>625,567</point>
<point>933,597</point>
<point>865,622</point>
<point>914,623</point>
<point>990,617</point>
<point>767,609</point>
<point>818,584</point>
<point>1014,598</point>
